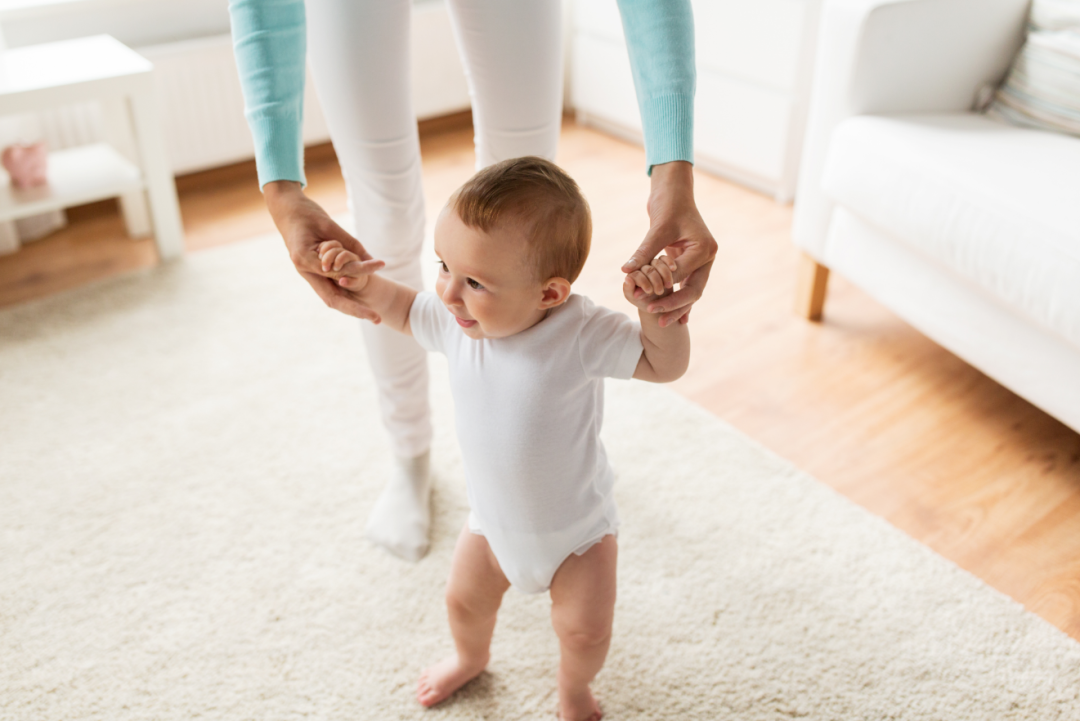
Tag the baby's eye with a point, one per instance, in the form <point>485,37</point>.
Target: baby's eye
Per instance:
<point>442,266</point>
<point>474,285</point>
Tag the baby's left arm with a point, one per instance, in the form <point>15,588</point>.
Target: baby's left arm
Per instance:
<point>666,351</point>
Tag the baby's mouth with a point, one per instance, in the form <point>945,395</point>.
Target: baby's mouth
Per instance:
<point>465,323</point>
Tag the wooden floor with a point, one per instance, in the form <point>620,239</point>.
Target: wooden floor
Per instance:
<point>861,401</point>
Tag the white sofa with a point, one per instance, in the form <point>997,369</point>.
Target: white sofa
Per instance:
<point>967,228</point>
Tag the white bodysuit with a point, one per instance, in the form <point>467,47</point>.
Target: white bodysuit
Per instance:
<point>528,410</point>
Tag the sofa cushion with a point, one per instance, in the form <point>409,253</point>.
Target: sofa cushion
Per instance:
<point>1042,89</point>
<point>997,204</point>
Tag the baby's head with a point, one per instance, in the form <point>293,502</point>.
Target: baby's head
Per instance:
<point>511,240</point>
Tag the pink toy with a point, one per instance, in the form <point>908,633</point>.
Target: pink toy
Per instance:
<point>26,164</point>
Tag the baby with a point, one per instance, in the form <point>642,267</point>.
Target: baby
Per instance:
<point>527,361</point>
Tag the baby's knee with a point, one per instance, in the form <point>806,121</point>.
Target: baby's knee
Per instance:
<point>456,603</point>
<point>584,636</point>
<point>463,604</point>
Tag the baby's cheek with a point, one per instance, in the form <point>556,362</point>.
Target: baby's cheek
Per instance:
<point>485,311</point>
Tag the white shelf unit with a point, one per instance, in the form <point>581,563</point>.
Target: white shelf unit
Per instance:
<point>753,73</point>
<point>76,176</point>
<point>131,166</point>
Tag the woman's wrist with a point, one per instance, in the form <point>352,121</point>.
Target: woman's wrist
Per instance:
<point>288,208</point>
<point>676,171</point>
<point>279,193</point>
<point>280,188</point>
<point>671,188</point>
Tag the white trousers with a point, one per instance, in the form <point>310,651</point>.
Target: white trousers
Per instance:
<point>359,54</point>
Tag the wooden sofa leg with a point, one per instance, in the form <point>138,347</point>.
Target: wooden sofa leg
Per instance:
<point>810,294</point>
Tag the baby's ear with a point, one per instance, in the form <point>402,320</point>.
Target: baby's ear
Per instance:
<point>556,291</point>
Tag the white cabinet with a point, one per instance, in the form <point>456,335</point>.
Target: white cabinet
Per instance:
<point>753,73</point>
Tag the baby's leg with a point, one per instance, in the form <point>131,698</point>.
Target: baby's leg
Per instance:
<point>473,596</point>
<point>582,608</point>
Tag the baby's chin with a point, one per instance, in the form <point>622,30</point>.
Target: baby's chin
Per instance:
<point>478,333</point>
<point>475,331</point>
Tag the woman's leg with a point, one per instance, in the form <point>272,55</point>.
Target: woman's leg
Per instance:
<point>359,53</point>
<point>513,57</point>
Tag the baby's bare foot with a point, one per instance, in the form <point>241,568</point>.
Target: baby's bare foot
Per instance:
<point>579,707</point>
<point>438,682</point>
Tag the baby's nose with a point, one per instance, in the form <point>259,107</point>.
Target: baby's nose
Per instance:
<point>450,295</point>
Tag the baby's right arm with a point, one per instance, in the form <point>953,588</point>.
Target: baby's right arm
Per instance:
<point>390,301</point>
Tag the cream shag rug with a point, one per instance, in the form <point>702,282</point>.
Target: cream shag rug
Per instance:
<point>187,458</point>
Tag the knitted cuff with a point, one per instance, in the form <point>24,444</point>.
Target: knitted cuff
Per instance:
<point>668,124</point>
<point>279,150</point>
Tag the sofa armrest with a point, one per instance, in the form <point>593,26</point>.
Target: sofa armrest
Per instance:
<point>896,56</point>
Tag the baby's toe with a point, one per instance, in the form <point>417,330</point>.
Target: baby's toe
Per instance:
<point>424,692</point>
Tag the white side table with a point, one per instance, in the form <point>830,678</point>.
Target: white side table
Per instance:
<point>131,165</point>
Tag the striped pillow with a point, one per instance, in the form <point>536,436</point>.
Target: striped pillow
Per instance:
<point>1042,89</point>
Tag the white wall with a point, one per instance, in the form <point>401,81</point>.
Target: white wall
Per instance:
<point>135,23</point>
<point>189,43</point>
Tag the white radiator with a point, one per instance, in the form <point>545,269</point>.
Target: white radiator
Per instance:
<point>202,109</point>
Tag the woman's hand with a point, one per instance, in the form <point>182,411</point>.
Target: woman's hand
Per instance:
<point>303,225</point>
<point>677,226</point>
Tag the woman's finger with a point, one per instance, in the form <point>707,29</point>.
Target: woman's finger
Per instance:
<point>338,299</point>
<point>674,301</point>
<point>680,315</point>
<point>365,267</point>
<point>655,241</point>
<point>350,269</point>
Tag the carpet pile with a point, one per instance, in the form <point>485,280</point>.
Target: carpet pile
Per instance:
<point>187,458</point>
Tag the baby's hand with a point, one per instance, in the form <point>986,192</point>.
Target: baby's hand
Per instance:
<point>654,280</point>
<point>344,266</point>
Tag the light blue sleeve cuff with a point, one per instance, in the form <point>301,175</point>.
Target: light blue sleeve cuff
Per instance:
<point>279,148</point>
<point>668,125</point>
<point>660,42</point>
<point>269,41</point>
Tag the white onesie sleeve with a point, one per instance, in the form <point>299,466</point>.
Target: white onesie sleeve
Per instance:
<point>609,342</point>
<point>429,321</point>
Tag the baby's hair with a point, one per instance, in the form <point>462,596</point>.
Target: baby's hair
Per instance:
<point>542,196</point>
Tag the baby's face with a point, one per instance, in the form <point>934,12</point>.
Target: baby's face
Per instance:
<point>486,279</point>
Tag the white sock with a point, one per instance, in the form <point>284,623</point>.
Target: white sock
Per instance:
<point>401,518</point>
